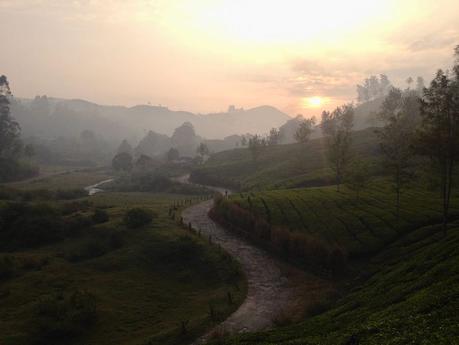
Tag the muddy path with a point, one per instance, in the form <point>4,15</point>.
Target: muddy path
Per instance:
<point>269,292</point>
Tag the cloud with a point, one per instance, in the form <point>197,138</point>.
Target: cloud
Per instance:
<point>311,78</point>
<point>441,40</point>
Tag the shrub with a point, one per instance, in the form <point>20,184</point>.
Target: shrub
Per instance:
<point>15,170</point>
<point>77,223</point>
<point>303,249</point>
<point>100,216</point>
<point>75,206</point>
<point>59,317</point>
<point>25,225</point>
<point>137,217</point>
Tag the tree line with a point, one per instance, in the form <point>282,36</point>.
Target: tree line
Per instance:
<point>420,127</point>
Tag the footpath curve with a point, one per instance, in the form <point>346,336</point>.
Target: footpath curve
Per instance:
<point>269,292</point>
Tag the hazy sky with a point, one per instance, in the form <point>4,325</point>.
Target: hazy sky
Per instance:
<point>203,55</point>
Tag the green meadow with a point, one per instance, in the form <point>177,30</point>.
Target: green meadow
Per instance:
<point>154,284</point>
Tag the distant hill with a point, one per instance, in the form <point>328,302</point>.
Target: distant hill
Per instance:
<point>51,117</point>
<point>279,166</point>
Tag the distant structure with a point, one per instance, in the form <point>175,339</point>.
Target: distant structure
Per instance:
<point>233,109</point>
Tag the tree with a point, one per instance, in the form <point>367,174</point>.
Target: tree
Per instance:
<point>100,216</point>
<point>274,136</point>
<point>173,154</point>
<point>439,133</point>
<point>255,146</point>
<point>409,81</point>
<point>202,150</point>
<point>144,163</point>
<point>304,131</point>
<point>29,150</point>
<point>420,85</point>
<point>336,127</point>
<point>243,141</point>
<point>137,217</point>
<point>125,147</point>
<point>373,87</point>
<point>9,129</point>
<point>359,176</point>
<point>122,162</point>
<point>400,115</point>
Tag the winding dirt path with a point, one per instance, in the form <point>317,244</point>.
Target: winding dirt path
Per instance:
<point>269,292</point>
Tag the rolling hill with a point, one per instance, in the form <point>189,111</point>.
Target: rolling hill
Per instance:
<point>279,166</point>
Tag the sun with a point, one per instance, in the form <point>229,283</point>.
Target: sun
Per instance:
<point>314,102</point>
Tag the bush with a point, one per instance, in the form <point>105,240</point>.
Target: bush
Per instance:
<point>303,249</point>
<point>137,217</point>
<point>75,206</point>
<point>25,226</point>
<point>100,216</point>
<point>60,317</point>
<point>89,249</point>
<point>15,170</point>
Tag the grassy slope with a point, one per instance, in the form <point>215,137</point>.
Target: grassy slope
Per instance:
<point>143,289</point>
<point>280,166</point>
<point>411,296</point>
<point>361,226</point>
<point>78,178</point>
<point>408,291</point>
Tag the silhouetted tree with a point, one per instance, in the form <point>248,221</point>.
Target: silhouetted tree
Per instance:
<point>400,115</point>
<point>420,85</point>
<point>202,150</point>
<point>125,147</point>
<point>274,135</point>
<point>144,163</point>
<point>373,88</point>
<point>122,162</point>
<point>439,133</point>
<point>358,176</point>
<point>29,151</point>
<point>409,81</point>
<point>255,146</point>
<point>173,154</point>
<point>336,127</point>
<point>9,128</point>
<point>304,131</point>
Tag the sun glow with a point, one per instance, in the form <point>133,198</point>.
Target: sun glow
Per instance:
<point>269,22</point>
<point>313,102</point>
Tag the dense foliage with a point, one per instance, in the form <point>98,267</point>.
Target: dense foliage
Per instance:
<point>137,217</point>
<point>11,147</point>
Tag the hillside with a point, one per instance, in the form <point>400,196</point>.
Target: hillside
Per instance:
<point>279,166</point>
<point>50,117</point>
<point>401,284</point>
<point>408,295</point>
<point>69,277</point>
<point>361,226</point>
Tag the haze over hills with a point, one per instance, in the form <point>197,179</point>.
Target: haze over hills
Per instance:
<point>117,122</point>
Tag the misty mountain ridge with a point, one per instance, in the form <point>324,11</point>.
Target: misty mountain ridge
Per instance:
<point>119,122</point>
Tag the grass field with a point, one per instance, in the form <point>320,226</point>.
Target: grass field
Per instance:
<point>75,179</point>
<point>151,283</point>
<point>279,166</point>
<point>409,295</point>
<point>361,225</point>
